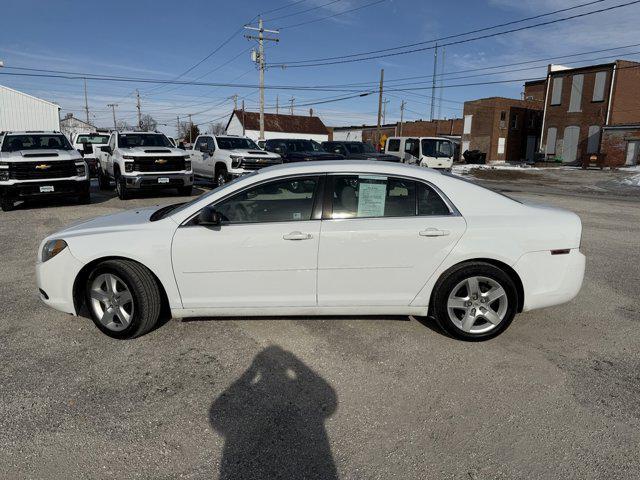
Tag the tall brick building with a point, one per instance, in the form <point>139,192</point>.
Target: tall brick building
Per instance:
<point>584,104</point>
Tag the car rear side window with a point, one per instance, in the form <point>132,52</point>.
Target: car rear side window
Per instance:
<point>394,145</point>
<point>370,196</point>
<point>430,203</point>
<point>287,200</point>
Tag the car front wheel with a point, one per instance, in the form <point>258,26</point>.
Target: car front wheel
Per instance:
<point>476,301</point>
<point>123,298</point>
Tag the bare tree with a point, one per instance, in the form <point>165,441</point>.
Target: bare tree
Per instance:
<point>148,123</point>
<point>216,128</point>
<point>122,125</point>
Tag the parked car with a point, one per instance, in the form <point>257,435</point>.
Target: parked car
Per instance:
<point>297,150</point>
<point>431,152</point>
<point>37,164</point>
<point>357,151</point>
<point>361,238</point>
<point>222,158</point>
<point>143,160</point>
<point>87,143</point>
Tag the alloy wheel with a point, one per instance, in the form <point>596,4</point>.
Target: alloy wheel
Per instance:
<point>477,305</point>
<point>111,301</point>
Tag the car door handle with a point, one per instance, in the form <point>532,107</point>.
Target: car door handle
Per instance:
<point>298,236</point>
<point>434,232</point>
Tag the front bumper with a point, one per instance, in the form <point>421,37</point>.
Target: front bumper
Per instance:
<point>157,180</point>
<point>28,189</point>
<point>55,279</point>
<point>548,279</point>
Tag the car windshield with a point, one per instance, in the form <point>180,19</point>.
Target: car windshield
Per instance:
<point>303,146</point>
<point>360,148</point>
<point>436,148</point>
<point>234,143</point>
<point>131,140</point>
<point>178,207</point>
<point>94,139</point>
<point>14,143</point>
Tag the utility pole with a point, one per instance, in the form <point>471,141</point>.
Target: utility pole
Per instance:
<point>243,129</point>
<point>235,101</point>
<point>433,86</point>
<point>259,59</point>
<point>380,104</point>
<point>86,103</point>
<point>113,109</point>
<point>291,100</point>
<point>444,52</point>
<point>401,117</point>
<point>384,111</point>
<point>190,129</point>
<point>277,104</point>
<point>178,126</point>
<point>138,107</point>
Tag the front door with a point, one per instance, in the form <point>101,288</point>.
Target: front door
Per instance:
<point>633,153</point>
<point>570,148</point>
<point>531,148</point>
<point>263,255</point>
<point>384,238</point>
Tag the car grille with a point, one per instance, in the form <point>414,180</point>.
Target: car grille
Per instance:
<point>42,169</point>
<point>256,163</point>
<point>166,164</point>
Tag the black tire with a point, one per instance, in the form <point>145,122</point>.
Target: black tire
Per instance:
<point>7,204</point>
<point>121,188</point>
<point>103,180</point>
<point>451,279</point>
<point>221,176</point>
<point>144,289</point>
<point>84,198</point>
<point>185,191</point>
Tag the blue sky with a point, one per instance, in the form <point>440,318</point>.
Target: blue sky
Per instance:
<point>161,39</point>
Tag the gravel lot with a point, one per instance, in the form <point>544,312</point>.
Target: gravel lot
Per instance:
<point>556,396</point>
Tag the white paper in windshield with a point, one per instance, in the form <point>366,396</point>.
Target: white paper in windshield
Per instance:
<point>371,198</point>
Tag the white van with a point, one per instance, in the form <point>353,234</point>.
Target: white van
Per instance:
<point>431,152</point>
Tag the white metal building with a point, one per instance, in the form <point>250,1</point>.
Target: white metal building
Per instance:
<point>71,125</point>
<point>20,111</point>
<point>277,126</point>
<point>347,134</point>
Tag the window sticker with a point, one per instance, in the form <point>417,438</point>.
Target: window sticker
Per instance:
<point>371,198</point>
<point>297,216</point>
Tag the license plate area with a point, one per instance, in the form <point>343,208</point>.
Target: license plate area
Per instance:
<point>46,189</point>
<point>163,180</point>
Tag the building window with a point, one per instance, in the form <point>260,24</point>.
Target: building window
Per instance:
<point>575,103</point>
<point>598,88</point>
<point>467,124</point>
<point>593,142</point>
<point>552,134</point>
<point>501,145</point>
<point>556,94</point>
<point>503,119</point>
<point>514,121</point>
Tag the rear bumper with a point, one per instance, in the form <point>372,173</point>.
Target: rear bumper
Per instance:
<point>25,190</point>
<point>550,280</point>
<point>158,180</point>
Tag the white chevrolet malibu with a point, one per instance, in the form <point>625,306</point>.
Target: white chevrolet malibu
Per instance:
<point>326,238</point>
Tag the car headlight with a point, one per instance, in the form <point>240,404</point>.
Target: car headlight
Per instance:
<point>4,172</point>
<point>236,161</point>
<point>52,248</point>
<point>128,157</point>
<point>187,164</point>
<point>80,170</point>
<point>128,167</point>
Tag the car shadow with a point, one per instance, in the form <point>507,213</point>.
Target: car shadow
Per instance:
<point>272,421</point>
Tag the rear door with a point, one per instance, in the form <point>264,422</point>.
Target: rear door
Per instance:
<point>382,238</point>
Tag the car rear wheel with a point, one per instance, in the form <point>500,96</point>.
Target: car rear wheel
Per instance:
<point>123,298</point>
<point>476,301</point>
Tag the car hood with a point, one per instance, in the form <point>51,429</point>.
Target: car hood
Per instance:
<point>253,153</point>
<point>109,223</point>
<point>48,155</point>
<point>318,155</point>
<point>153,151</point>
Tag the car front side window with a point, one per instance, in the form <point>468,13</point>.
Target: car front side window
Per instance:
<point>284,200</point>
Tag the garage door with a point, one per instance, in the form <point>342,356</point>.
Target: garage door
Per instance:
<point>570,144</point>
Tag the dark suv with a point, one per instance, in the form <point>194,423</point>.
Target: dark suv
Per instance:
<point>296,150</point>
<point>358,151</point>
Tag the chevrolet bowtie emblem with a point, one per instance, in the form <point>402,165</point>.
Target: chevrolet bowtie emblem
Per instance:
<point>43,166</point>
<point>161,161</point>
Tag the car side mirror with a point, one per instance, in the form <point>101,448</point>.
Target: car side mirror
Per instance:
<point>278,149</point>
<point>204,148</point>
<point>208,216</point>
<point>106,149</point>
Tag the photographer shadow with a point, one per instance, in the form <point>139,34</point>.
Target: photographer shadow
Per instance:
<point>272,419</point>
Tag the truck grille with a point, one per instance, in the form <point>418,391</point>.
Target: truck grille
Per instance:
<point>256,163</point>
<point>166,164</point>
<point>42,169</point>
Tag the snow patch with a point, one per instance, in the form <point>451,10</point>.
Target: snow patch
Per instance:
<point>466,169</point>
<point>633,180</point>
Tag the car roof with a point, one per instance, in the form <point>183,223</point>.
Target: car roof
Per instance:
<point>349,166</point>
<point>34,132</point>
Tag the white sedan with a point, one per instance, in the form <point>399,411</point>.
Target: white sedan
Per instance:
<point>327,238</point>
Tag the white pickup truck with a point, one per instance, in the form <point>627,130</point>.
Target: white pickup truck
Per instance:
<point>87,143</point>
<point>430,152</point>
<point>143,160</point>
<point>224,157</point>
<point>37,164</point>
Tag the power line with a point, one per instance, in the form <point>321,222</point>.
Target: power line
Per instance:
<point>345,59</point>
<point>301,12</point>
<point>370,4</point>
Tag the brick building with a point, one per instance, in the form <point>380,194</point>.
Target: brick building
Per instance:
<point>505,129</point>
<point>582,103</point>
